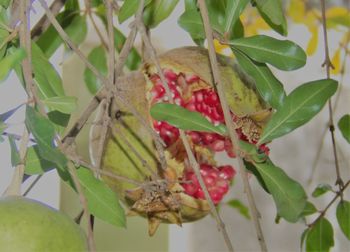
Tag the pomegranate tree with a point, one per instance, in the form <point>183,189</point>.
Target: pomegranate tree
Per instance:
<point>187,72</point>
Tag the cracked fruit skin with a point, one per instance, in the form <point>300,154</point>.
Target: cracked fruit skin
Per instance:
<point>27,225</point>
<point>173,202</point>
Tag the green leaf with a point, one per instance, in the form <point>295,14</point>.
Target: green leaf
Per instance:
<point>102,201</point>
<point>3,35</point>
<point>320,236</point>
<point>251,152</point>
<point>128,9</point>
<point>58,118</point>
<point>15,158</point>
<point>309,209</point>
<point>44,133</point>
<point>5,3</point>
<point>157,11</point>
<point>289,195</point>
<point>321,189</point>
<point>3,126</point>
<point>268,86</point>
<point>97,58</point>
<point>271,11</point>
<point>343,217</point>
<point>10,61</point>
<point>74,25</point>
<point>48,81</point>
<point>184,119</point>
<point>344,126</point>
<point>64,104</point>
<point>237,204</point>
<point>232,13</point>
<point>283,54</point>
<point>251,168</point>
<point>299,107</point>
<point>191,22</point>
<point>302,238</point>
<point>35,164</point>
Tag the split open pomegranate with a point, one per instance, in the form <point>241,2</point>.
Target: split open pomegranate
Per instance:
<point>175,195</point>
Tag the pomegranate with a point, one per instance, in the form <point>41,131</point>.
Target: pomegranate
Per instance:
<point>174,195</point>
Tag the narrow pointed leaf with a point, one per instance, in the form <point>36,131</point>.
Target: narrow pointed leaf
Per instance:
<point>184,119</point>
<point>35,164</point>
<point>64,104</point>
<point>15,158</point>
<point>299,107</point>
<point>282,54</point>
<point>128,9</point>
<point>49,82</point>
<point>10,61</point>
<point>233,11</point>
<point>157,11</point>
<point>320,236</point>
<point>102,201</point>
<point>242,209</point>
<point>289,195</point>
<point>269,87</point>
<point>191,22</point>
<point>321,189</point>
<point>44,133</point>
<point>98,59</point>
<point>309,209</point>
<point>343,217</point>
<point>273,14</point>
<point>344,126</point>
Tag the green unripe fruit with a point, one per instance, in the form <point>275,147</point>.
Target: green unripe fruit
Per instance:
<point>28,225</point>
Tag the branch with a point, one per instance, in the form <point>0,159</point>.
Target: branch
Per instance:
<point>229,123</point>
<point>106,119</point>
<point>83,202</point>
<point>43,24</point>
<point>25,42</point>
<point>329,65</point>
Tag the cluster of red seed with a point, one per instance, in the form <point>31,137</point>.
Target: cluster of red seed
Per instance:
<point>207,102</point>
<point>216,179</point>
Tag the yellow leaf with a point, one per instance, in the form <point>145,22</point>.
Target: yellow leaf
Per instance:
<point>336,62</point>
<point>222,49</point>
<point>336,12</point>
<point>296,10</point>
<point>312,45</point>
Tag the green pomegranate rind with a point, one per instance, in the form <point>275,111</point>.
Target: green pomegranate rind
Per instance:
<point>28,225</point>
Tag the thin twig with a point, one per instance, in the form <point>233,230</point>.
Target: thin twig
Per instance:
<point>229,123</point>
<point>336,103</point>
<point>329,65</point>
<point>43,24</point>
<point>106,119</point>
<point>323,212</point>
<point>89,14</point>
<point>31,186</point>
<point>83,202</point>
<point>16,182</point>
